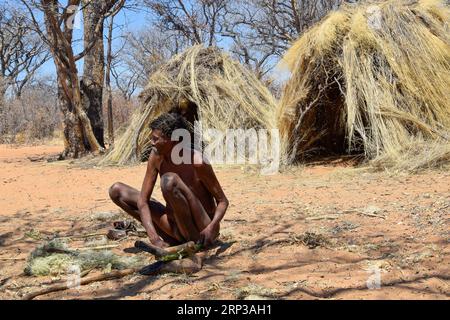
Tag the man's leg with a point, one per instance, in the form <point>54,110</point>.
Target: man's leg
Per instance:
<point>126,198</point>
<point>190,216</point>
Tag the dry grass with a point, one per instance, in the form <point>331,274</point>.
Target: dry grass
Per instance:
<point>56,258</point>
<point>372,78</point>
<point>204,84</point>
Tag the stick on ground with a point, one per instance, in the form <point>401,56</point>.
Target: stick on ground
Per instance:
<point>63,286</point>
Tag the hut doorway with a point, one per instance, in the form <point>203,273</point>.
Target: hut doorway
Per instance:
<point>324,129</point>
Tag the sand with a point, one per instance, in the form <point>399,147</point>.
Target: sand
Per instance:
<point>390,227</point>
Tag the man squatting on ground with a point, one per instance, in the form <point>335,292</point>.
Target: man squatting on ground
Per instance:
<point>195,201</point>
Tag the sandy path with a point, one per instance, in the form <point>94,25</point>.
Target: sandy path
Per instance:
<point>407,241</point>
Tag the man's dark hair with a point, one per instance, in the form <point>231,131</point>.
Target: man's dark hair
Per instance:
<point>169,122</point>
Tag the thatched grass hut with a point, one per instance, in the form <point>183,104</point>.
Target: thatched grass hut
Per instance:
<point>373,79</point>
<point>203,84</point>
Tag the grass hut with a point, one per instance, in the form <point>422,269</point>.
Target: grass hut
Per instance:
<point>203,84</point>
<point>371,78</point>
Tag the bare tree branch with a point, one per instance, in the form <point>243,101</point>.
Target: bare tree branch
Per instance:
<point>22,52</point>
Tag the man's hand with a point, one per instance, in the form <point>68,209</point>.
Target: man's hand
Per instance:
<point>209,234</point>
<point>157,242</point>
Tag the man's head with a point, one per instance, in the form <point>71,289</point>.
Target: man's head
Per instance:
<point>162,129</point>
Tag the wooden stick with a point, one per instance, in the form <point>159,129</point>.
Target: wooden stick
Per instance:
<point>81,236</point>
<point>58,250</point>
<point>109,246</point>
<point>63,286</point>
<point>157,252</point>
<point>188,248</point>
<point>75,251</point>
<point>187,251</point>
<point>372,215</point>
<point>328,217</point>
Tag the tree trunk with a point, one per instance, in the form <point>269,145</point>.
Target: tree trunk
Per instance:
<point>108,82</point>
<point>2,92</point>
<point>78,134</point>
<point>94,67</point>
<point>3,122</point>
<point>74,143</point>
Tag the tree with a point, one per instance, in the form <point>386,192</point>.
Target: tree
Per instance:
<point>143,52</point>
<point>95,13</point>
<point>33,115</point>
<point>2,93</point>
<point>280,22</point>
<point>198,21</point>
<point>262,30</point>
<point>79,136</point>
<point>109,60</point>
<point>22,52</point>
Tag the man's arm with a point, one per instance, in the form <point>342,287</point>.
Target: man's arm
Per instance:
<point>209,179</point>
<point>146,191</point>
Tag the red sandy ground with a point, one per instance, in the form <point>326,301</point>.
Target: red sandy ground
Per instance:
<point>266,217</point>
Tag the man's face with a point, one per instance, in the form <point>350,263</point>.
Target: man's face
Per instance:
<point>159,141</point>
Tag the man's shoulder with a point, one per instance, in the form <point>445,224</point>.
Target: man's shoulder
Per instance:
<point>154,156</point>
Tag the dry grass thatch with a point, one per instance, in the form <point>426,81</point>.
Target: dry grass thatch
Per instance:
<point>204,84</point>
<point>372,78</point>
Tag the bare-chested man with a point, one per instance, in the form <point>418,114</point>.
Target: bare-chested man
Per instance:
<point>195,200</point>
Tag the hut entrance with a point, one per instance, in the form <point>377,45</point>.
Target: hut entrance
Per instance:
<point>324,129</point>
<point>330,121</point>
